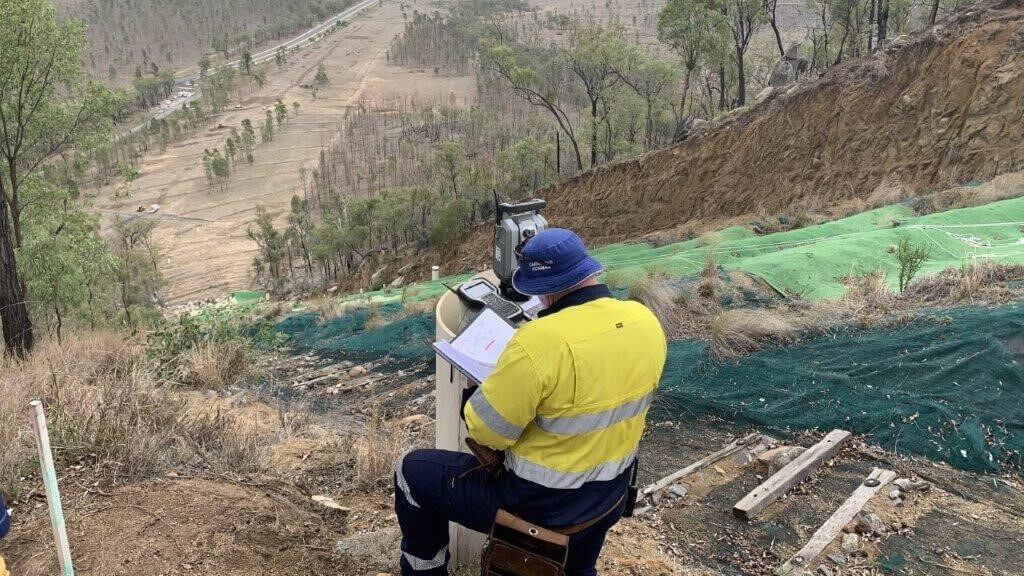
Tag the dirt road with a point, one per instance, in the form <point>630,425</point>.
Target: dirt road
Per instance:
<point>202,231</point>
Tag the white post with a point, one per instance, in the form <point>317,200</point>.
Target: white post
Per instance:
<point>435,273</point>
<point>60,534</point>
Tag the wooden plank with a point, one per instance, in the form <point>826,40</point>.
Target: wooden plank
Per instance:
<point>790,475</point>
<point>832,527</point>
<point>730,449</point>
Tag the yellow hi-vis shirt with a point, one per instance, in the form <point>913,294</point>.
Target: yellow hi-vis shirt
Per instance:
<point>569,396</point>
<point>3,568</point>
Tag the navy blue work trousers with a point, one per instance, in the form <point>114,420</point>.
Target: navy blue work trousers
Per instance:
<point>433,487</point>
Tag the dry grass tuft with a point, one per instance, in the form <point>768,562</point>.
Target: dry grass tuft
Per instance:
<point>974,280</point>
<point>1003,186</point>
<point>890,191</point>
<point>662,298</point>
<point>107,411</point>
<point>377,450</point>
<point>741,331</point>
<point>218,364</point>
<point>328,308</point>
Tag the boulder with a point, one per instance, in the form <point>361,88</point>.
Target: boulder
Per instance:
<point>869,523</point>
<point>851,543</point>
<point>777,458</point>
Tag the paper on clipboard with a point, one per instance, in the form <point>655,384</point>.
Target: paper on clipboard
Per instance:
<point>475,351</point>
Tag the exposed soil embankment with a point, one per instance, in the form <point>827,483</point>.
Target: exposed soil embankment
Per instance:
<point>933,110</point>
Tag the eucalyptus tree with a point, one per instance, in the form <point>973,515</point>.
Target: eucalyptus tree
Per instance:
<point>47,107</point>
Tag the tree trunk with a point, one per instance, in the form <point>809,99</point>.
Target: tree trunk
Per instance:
<point>17,325</point>
<point>934,13</point>
<point>871,18</point>
<point>883,22</point>
<point>593,132</point>
<point>741,78</point>
<point>775,29</point>
<point>721,87</point>
<point>649,126</point>
<point>686,92</point>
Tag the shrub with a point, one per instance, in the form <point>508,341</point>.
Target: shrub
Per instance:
<point>910,258</point>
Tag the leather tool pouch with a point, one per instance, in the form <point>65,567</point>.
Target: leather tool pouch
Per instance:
<point>490,459</point>
<point>519,548</point>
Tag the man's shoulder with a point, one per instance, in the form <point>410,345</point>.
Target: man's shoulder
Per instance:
<point>594,316</point>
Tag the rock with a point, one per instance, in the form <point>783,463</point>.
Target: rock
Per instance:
<point>330,505</point>
<point>357,371</point>
<point>851,543</point>
<point>397,282</point>
<point>745,457</point>
<point>870,523</point>
<point>777,458</point>
<point>909,486</point>
<point>376,275</point>
<point>678,490</point>
<point>902,483</point>
<point>894,494</point>
<point>699,123</point>
<point>763,94</point>
<point>825,571</point>
<point>415,421</point>
<point>837,559</point>
<point>375,550</point>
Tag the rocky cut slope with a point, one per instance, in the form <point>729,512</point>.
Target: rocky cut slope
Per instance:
<point>932,110</point>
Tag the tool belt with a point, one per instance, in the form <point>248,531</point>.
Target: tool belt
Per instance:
<point>516,547</point>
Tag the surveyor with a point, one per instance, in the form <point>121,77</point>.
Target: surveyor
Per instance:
<point>5,526</point>
<point>566,404</point>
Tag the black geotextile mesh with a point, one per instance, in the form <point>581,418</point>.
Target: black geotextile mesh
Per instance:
<point>403,338</point>
<point>981,545</point>
<point>949,386</point>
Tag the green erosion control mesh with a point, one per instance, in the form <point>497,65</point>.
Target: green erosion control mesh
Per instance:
<point>813,261</point>
<point>810,261</point>
<point>950,387</point>
<point>403,339</point>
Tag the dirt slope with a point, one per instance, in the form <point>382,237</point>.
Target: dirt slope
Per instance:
<point>935,109</point>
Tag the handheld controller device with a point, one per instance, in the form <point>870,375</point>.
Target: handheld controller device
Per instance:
<point>479,293</point>
<point>513,225</point>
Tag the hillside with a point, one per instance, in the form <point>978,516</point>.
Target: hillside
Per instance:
<point>934,110</point>
<point>125,34</point>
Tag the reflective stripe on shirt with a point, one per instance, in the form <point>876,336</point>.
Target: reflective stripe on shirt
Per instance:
<point>584,423</point>
<point>552,478</point>
<point>492,418</point>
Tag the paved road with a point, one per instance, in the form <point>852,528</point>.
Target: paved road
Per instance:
<point>257,58</point>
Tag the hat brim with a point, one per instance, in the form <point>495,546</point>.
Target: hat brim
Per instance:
<point>543,284</point>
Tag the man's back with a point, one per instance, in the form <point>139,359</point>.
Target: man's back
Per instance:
<point>570,394</point>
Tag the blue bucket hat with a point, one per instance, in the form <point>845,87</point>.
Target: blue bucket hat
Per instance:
<point>5,518</point>
<point>553,261</point>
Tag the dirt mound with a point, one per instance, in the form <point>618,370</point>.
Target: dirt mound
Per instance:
<point>184,526</point>
<point>933,110</point>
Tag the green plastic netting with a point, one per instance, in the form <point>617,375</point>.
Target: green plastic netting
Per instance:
<point>950,387</point>
<point>812,261</point>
